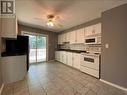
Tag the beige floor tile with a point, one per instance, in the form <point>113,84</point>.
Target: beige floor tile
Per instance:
<point>53,78</point>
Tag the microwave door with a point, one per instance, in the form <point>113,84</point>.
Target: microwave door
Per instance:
<point>90,40</point>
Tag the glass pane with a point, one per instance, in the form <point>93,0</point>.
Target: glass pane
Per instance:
<point>32,45</point>
<point>41,48</point>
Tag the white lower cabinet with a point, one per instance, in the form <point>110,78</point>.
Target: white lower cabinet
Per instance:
<point>64,54</point>
<point>69,59</point>
<point>76,60</point>
<point>13,68</point>
<point>57,55</point>
<point>61,56</point>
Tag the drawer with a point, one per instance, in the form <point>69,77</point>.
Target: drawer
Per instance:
<point>90,71</point>
<point>90,65</point>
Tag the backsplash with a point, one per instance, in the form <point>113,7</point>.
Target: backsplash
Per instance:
<point>82,47</point>
<point>93,48</point>
<point>77,47</point>
<point>73,46</point>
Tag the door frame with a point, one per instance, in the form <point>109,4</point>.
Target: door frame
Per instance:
<point>39,34</point>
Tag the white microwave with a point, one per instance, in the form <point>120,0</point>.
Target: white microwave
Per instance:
<point>93,40</point>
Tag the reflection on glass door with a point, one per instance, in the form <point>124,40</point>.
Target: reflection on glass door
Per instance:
<point>32,49</point>
<point>41,48</point>
<point>37,46</point>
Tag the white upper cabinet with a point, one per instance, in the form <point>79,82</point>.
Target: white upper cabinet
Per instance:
<point>80,35</point>
<point>68,37</point>
<point>77,36</point>
<point>89,30</point>
<point>93,30</point>
<point>73,37</point>
<point>9,28</point>
<point>59,39</point>
<point>64,37</point>
<point>97,28</point>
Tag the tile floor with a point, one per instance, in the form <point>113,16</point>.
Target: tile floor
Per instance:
<point>54,78</point>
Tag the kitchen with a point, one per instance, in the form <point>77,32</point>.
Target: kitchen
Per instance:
<point>85,50</point>
<point>86,57</point>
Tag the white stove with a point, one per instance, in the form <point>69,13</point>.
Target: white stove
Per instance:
<point>90,63</point>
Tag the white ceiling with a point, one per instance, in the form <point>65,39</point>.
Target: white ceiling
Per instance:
<point>70,12</point>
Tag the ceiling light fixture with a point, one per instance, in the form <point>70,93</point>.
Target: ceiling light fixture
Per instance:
<point>50,23</point>
<point>50,20</point>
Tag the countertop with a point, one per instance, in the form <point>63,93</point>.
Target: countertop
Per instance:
<point>78,51</point>
<point>5,54</point>
<point>69,50</point>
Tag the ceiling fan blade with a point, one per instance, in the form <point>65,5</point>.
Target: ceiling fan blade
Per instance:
<point>38,18</point>
<point>58,25</point>
<point>57,18</point>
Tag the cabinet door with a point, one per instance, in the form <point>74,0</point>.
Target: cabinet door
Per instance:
<point>64,57</point>
<point>57,56</point>
<point>68,37</point>
<point>76,60</point>
<point>97,28</point>
<point>64,37</point>
<point>93,30</point>
<point>73,37</point>
<point>60,39</point>
<point>69,59</point>
<point>61,56</point>
<point>9,27</point>
<point>80,35</point>
<point>88,30</point>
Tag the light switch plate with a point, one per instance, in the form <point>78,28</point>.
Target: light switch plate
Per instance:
<point>106,45</point>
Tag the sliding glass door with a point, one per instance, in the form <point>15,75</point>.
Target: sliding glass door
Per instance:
<point>37,49</point>
<point>41,49</point>
<point>32,49</point>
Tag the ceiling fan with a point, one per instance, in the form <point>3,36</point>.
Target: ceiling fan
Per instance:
<point>52,21</point>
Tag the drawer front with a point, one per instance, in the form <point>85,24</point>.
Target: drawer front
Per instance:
<point>90,71</point>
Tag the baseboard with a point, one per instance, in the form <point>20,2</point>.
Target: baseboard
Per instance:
<point>1,89</point>
<point>114,85</point>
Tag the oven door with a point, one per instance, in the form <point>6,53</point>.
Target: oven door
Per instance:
<point>91,62</point>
